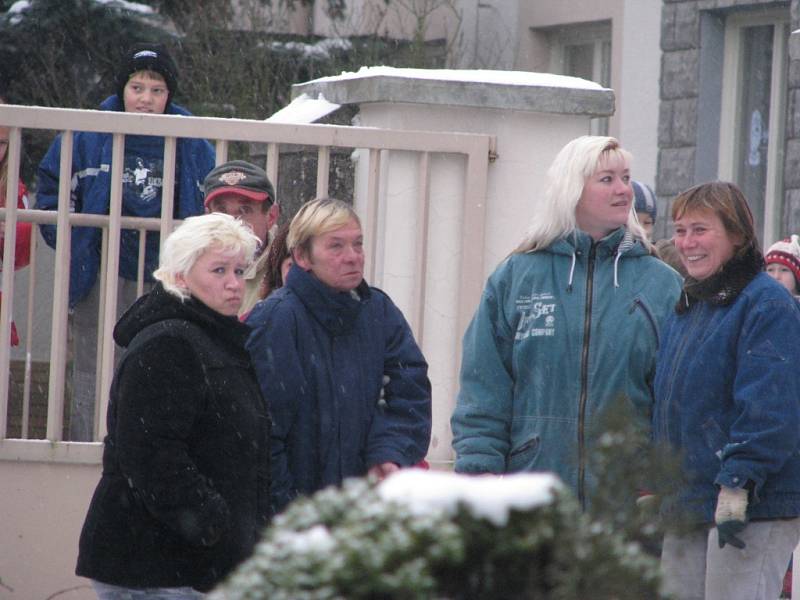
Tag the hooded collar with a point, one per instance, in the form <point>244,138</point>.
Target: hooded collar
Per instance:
<point>336,311</point>
<point>160,305</point>
<point>618,243</point>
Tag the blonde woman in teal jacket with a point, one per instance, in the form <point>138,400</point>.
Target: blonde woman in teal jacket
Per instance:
<point>566,325</point>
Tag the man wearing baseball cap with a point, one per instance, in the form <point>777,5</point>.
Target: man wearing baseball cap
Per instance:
<point>243,190</point>
<point>146,82</point>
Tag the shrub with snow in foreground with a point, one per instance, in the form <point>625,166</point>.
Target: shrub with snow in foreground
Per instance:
<point>434,535</point>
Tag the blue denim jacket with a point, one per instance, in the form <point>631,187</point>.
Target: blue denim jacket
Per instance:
<point>727,393</point>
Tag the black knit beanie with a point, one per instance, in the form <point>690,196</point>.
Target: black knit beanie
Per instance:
<point>148,57</point>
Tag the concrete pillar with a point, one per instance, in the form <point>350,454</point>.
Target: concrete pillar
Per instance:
<point>532,116</point>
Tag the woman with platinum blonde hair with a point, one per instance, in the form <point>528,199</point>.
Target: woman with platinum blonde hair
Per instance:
<point>567,324</point>
<point>185,485</point>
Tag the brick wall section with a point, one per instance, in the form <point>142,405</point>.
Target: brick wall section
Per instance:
<point>37,417</point>
<point>679,84</point>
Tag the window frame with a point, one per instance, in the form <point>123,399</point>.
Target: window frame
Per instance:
<point>597,33</point>
<point>730,135</point>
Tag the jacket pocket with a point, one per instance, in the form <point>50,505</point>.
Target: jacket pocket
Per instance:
<point>522,457</point>
<point>639,304</point>
<point>714,437</point>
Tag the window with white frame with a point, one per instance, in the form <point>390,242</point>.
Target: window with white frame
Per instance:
<point>753,114</point>
<point>583,50</point>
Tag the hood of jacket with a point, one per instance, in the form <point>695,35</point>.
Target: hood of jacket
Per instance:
<point>160,305</point>
<point>619,243</point>
<point>336,311</point>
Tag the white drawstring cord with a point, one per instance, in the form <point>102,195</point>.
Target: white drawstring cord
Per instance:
<point>571,272</point>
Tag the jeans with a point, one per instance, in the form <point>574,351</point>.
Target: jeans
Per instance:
<point>105,591</point>
<point>694,567</point>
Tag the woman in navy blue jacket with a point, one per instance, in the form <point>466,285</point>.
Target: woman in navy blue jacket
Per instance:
<point>728,397</point>
<point>323,346</point>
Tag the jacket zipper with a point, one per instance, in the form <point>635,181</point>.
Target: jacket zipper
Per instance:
<point>587,327</point>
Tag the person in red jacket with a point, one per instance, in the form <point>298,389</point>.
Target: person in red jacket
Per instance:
<point>22,250</point>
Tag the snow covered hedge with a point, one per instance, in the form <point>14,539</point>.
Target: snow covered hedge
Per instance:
<point>423,534</point>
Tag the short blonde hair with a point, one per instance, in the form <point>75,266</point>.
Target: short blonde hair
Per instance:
<point>315,218</point>
<point>194,237</point>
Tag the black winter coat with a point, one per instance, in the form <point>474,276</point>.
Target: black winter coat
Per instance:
<point>184,492</point>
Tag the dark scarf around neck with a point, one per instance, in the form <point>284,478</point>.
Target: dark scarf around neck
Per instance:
<point>722,288</point>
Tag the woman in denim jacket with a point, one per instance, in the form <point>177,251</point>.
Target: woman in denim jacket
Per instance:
<point>728,398</point>
<point>566,326</point>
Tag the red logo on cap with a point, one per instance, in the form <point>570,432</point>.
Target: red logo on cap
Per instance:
<point>232,178</point>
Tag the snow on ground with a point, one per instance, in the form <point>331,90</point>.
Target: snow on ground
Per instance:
<point>304,109</point>
<point>478,76</point>
<point>488,496</point>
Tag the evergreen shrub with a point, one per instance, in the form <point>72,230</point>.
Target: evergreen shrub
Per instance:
<point>441,535</point>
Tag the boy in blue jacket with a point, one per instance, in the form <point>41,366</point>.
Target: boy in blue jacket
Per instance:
<point>146,83</point>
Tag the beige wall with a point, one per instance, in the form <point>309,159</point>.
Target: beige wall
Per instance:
<point>638,92</point>
<point>534,15</point>
<point>43,506</point>
<point>635,64</point>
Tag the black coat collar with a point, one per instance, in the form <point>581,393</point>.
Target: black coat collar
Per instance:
<point>160,305</point>
<point>722,288</point>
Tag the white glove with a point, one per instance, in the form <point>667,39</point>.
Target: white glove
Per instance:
<point>731,515</point>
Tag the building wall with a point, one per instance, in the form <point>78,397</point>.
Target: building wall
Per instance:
<point>791,178</point>
<point>371,17</point>
<point>635,59</point>
<point>43,507</point>
<point>688,133</point>
<point>511,35</point>
<point>638,93</point>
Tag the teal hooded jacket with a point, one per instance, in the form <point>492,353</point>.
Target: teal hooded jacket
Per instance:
<point>559,334</point>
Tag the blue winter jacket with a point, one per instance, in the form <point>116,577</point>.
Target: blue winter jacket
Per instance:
<point>559,335</point>
<point>320,357</point>
<point>91,194</point>
<point>728,396</point>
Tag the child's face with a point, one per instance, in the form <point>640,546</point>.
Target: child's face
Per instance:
<point>146,92</point>
<point>646,221</point>
<point>783,275</point>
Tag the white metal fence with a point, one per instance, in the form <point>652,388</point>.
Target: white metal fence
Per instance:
<point>377,144</point>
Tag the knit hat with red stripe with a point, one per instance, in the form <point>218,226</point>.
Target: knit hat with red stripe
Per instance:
<point>786,253</point>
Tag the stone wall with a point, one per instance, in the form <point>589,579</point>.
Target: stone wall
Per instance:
<point>682,161</point>
<point>791,175</point>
